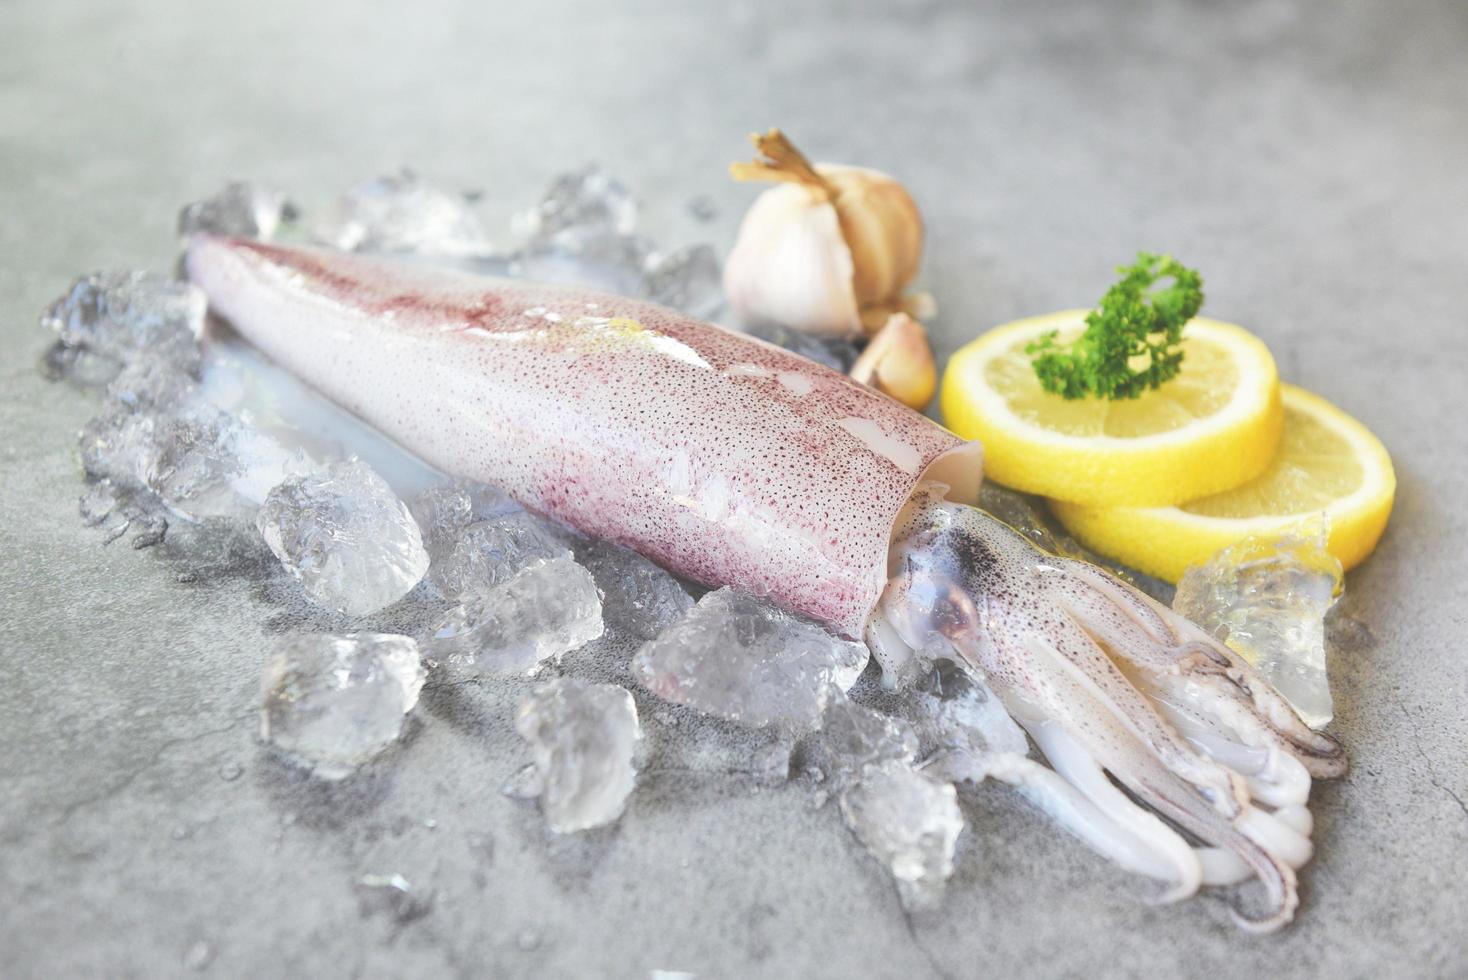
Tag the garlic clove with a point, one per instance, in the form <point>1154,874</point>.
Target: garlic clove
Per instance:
<point>828,250</point>
<point>791,265</point>
<point>883,228</point>
<point>899,362</point>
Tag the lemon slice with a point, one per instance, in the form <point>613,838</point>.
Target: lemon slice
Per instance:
<point>1212,427</point>
<point>1327,462</point>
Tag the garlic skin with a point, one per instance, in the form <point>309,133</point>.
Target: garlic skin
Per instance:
<point>882,228</point>
<point>828,250</point>
<point>791,265</point>
<point>899,362</point>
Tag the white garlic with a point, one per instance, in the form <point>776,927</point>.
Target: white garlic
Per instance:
<point>828,250</point>
<point>899,362</point>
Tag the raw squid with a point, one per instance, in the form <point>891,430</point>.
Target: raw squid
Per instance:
<point>733,462</point>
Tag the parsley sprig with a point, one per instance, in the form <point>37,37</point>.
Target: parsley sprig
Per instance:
<point>1135,318</point>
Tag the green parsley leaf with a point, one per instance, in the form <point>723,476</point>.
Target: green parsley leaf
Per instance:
<point>1136,318</point>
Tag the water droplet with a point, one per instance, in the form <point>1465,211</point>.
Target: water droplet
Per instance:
<point>527,940</point>
<point>231,771</point>
<point>181,832</point>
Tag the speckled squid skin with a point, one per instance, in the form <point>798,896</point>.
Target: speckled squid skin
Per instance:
<point>723,458</point>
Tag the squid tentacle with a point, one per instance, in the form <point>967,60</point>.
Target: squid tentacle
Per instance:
<point>1144,701</point>
<point>1095,670</point>
<point>1147,776</point>
<point>1202,704</point>
<point>1135,840</point>
<point>1179,647</point>
<point>1168,754</point>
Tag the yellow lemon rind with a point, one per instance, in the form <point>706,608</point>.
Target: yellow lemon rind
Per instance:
<point>1164,541</point>
<point>1217,453</point>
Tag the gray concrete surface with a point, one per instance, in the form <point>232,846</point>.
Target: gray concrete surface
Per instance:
<point>1311,158</point>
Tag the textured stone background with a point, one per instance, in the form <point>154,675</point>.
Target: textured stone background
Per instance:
<point>1311,158</point>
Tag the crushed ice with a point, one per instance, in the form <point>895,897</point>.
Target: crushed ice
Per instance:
<point>547,608</point>
<point>909,822</point>
<point>525,592</point>
<point>1266,597</point>
<point>583,737</point>
<point>333,702</point>
<point>404,214</point>
<point>639,599</point>
<point>346,536</point>
<point>742,659</point>
<point>239,209</point>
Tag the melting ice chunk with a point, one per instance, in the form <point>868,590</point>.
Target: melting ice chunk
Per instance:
<point>149,382</point>
<point>737,657</point>
<point>853,737</point>
<point>190,454</point>
<point>121,316</point>
<point>688,279</point>
<point>638,598</point>
<point>582,737</point>
<point>548,608</point>
<point>589,198</point>
<point>332,702</point>
<point>487,553</point>
<point>834,352</point>
<point>1266,597</point>
<point>1015,509</point>
<point>951,709</point>
<point>445,510</point>
<point>403,213</point>
<point>908,822</point>
<point>346,536</point>
<point>240,209</point>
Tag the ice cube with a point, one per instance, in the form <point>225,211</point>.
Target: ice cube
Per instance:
<point>345,535</point>
<point>853,737</point>
<point>148,382</point>
<point>189,455</point>
<point>546,609</point>
<point>487,553</point>
<point>834,352</point>
<point>122,316</point>
<point>98,503</point>
<point>1017,510</point>
<point>1266,597</point>
<point>638,598</point>
<point>952,709</point>
<point>588,198</point>
<point>582,737</point>
<point>445,510</point>
<point>908,822</point>
<point>240,209</point>
<point>104,506</point>
<point>402,213</point>
<point>740,658</point>
<point>687,279</point>
<point>78,366</point>
<point>332,702</point>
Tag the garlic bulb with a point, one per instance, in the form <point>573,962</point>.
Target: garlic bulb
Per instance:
<point>899,362</point>
<point>828,250</point>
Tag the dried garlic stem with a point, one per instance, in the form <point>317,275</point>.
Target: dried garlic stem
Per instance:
<point>781,161</point>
